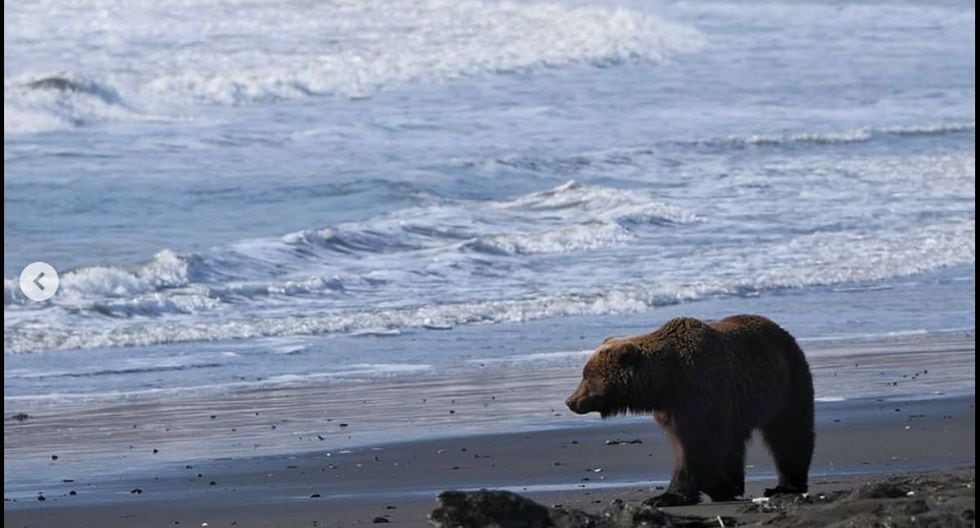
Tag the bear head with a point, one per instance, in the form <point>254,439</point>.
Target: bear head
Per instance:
<point>620,377</point>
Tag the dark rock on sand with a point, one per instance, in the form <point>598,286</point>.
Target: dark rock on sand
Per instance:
<point>20,417</point>
<point>510,510</point>
<point>916,507</point>
<point>488,508</point>
<point>882,490</point>
<point>936,500</point>
<point>906,501</point>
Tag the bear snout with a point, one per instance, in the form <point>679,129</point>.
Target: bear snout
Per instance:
<point>584,405</point>
<point>583,400</point>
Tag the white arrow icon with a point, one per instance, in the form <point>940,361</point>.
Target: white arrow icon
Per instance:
<point>39,281</point>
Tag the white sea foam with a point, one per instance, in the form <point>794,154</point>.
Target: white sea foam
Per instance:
<point>357,370</point>
<point>570,217</point>
<point>601,203</point>
<point>35,103</point>
<point>165,270</point>
<point>808,260</point>
<point>350,49</point>
<point>428,266</point>
<point>576,217</point>
<point>846,136</point>
<point>348,373</point>
<point>538,357</point>
<point>583,236</point>
<point>128,365</point>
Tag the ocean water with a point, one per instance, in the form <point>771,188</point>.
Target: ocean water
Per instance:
<point>240,193</point>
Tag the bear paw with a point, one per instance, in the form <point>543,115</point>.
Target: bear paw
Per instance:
<point>782,490</point>
<point>671,499</point>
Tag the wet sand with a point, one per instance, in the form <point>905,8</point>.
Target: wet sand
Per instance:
<point>148,432</point>
<point>581,467</point>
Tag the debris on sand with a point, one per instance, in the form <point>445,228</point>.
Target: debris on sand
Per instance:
<point>624,442</point>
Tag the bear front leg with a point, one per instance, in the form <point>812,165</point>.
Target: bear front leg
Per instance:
<point>681,492</point>
<point>700,459</point>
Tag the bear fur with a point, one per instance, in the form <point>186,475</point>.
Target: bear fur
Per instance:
<point>709,385</point>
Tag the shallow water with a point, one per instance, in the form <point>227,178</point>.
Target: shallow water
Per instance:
<point>240,194</point>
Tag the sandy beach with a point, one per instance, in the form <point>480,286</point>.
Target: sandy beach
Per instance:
<point>316,263</point>
<point>135,465</point>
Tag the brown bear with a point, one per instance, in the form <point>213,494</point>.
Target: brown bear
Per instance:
<point>709,386</point>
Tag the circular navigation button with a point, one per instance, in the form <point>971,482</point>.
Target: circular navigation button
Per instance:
<point>39,281</point>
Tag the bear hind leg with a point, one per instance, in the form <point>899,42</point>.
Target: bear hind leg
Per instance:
<point>729,484</point>
<point>791,443</point>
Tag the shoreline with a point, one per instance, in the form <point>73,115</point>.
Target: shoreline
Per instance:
<point>524,396</point>
<point>856,440</point>
<point>339,454</point>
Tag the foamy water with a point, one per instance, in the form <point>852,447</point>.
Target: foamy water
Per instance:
<point>351,49</point>
<point>241,194</point>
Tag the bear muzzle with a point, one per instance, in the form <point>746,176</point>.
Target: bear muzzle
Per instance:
<point>583,401</point>
<point>582,406</point>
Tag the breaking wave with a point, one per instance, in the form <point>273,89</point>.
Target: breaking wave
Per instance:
<point>346,49</point>
<point>817,262</point>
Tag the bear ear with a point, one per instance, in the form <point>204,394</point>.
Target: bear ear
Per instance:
<point>608,339</point>
<point>630,355</point>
